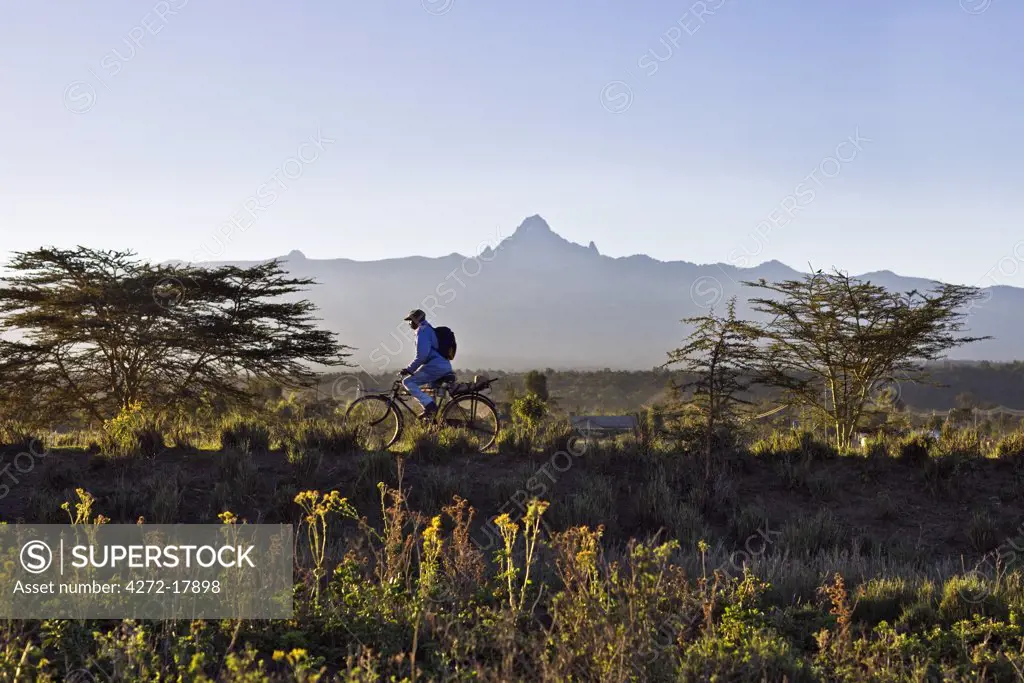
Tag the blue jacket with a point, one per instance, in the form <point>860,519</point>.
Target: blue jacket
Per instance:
<point>427,353</point>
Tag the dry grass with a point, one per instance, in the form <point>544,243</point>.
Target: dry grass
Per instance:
<point>642,571</point>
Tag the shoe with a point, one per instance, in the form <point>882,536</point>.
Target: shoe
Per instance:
<point>429,411</point>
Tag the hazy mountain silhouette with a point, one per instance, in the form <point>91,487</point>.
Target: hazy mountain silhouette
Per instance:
<point>539,300</point>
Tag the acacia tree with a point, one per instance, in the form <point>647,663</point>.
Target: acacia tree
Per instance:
<point>720,353</point>
<point>89,333</point>
<point>831,340</point>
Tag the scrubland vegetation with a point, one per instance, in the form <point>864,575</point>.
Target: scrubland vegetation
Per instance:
<point>713,544</point>
<point>556,557</point>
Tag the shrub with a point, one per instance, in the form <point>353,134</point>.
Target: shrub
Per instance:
<point>15,435</point>
<point>132,433</point>
<point>963,442</point>
<point>530,409</point>
<point>966,595</point>
<point>883,599</point>
<point>942,473</point>
<point>982,532</point>
<point>793,444</point>
<point>326,436</point>
<point>810,535</point>
<point>591,501</point>
<point>183,438</point>
<point>1010,447</point>
<point>745,522</point>
<point>775,443</point>
<point>182,430</point>
<point>814,449</point>
<point>434,444</point>
<point>689,432</point>
<point>581,609</point>
<point>425,445</point>
<point>654,419</point>
<point>921,613</point>
<point>440,485</point>
<point>556,435</point>
<point>742,648</point>
<point>454,441</point>
<point>164,499</point>
<point>917,616</point>
<point>305,459</point>
<point>247,436</point>
<point>913,449</point>
<point>375,467</point>
<point>238,479</point>
<point>877,447</point>
<point>516,440</point>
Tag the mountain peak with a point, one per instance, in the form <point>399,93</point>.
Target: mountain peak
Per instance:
<point>534,225</point>
<point>535,240</point>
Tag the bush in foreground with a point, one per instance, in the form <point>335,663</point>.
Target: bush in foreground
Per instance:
<point>409,597</point>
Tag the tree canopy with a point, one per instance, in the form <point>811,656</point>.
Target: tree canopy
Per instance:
<point>720,355</point>
<point>87,333</point>
<point>830,341</point>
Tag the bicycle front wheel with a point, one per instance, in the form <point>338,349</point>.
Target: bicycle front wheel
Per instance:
<point>476,416</point>
<point>376,421</point>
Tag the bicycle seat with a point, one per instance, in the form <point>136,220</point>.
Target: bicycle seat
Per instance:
<point>445,379</point>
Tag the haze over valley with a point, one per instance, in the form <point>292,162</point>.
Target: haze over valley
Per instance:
<point>535,299</point>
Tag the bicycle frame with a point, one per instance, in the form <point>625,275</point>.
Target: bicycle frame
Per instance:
<point>399,395</point>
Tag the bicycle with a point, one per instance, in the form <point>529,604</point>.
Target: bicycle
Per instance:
<point>378,420</point>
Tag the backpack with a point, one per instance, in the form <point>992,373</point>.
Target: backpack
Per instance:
<point>445,342</point>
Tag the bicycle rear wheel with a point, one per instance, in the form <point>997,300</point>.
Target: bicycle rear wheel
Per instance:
<point>476,416</point>
<point>376,421</point>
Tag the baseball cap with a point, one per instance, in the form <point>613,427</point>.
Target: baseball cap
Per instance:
<point>416,315</point>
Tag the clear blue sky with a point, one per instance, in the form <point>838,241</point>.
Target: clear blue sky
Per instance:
<point>453,120</point>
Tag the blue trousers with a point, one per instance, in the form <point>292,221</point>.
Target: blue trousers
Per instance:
<point>425,376</point>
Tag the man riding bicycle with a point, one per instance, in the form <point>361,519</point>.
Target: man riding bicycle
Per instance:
<point>428,366</point>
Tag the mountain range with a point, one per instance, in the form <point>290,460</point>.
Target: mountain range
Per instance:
<point>537,300</point>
